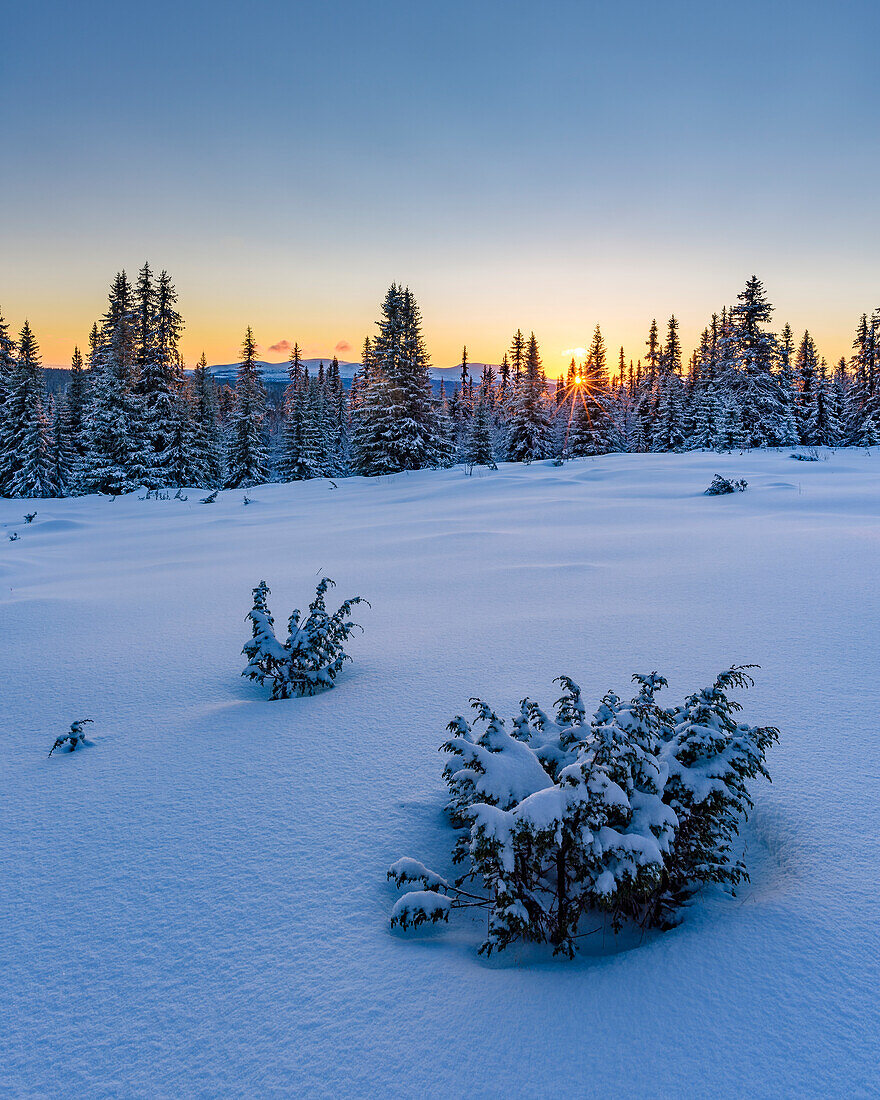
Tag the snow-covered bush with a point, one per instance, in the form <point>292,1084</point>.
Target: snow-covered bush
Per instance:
<point>810,455</point>
<point>74,737</point>
<point>721,485</point>
<point>625,814</point>
<point>311,658</point>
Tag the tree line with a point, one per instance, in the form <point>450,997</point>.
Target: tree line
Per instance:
<point>132,416</point>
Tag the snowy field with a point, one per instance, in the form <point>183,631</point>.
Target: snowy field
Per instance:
<point>197,905</point>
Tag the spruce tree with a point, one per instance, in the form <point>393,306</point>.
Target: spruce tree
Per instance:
<point>670,357</point>
<point>807,399</point>
<point>517,355</point>
<point>594,426</point>
<point>668,434</point>
<point>480,451</point>
<point>30,436</point>
<point>114,460</point>
<point>159,377</point>
<point>751,380</point>
<point>7,371</point>
<point>65,461</point>
<point>397,426</point>
<point>369,416</point>
<point>77,405</point>
<point>248,462</point>
<point>295,463</point>
<point>863,402</point>
<point>208,442</point>
<point>529,432</point>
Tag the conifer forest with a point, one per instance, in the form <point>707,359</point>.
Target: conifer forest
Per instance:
<point>132,414</point>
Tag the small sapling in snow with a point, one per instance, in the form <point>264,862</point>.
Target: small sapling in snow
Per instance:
<point>73,738</point>
<point>313,655</point>
<point>721,485</point>
<point>210,498</point>
<point>14,537</point>
<point>30,517</point>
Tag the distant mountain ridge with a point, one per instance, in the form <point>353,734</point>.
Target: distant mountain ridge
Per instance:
<point>276,373</point>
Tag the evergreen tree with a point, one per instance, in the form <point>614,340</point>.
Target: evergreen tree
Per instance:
<point>517,355</point>
<point>653,357</point>
<point>114,461</point>
<point>752,381</point>
<point>705,419</point>
<point>397,425</point>
<point>480,451</point>
<point>504,387</point>
<point>593,428</point>
<point>65,461</point>
<point>207,443</point>
<point>670,357</point>
<point>369,416</point>
<point>668,434</point>
<point>160,377</point>
<point>729,432</point>
<point>248,455</point>
<point>7,372</point>
<point>808,401</point>
<point>708,741</point>
<point>529,432</point>
<point>77,405</point>
<point>295,463</point>
<point>181,456</point>
<point>30,437</point>
<point>863,400</point>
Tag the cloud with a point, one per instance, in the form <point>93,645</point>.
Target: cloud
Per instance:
<point>577,353</point>
<point>342,347</point>
<point>282,345</point>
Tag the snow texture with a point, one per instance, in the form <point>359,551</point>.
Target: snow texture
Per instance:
<point>195,906</point>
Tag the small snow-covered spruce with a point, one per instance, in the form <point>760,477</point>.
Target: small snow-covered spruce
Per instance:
<point>30,517</point>
<point>313,655</point>
<point>721,485</point>
<point>562,818</point>
<point>708,758</point>
<point>74,737</point>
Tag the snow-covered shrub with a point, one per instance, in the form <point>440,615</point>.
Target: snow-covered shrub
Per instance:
<point>708,758</point>
<point>722,485</point>
<point>311,658</point>
<point>74,737</point>
<point>625,814</point>
<point>810,455</point>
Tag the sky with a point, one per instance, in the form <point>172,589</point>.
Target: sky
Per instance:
<point>544,165</point>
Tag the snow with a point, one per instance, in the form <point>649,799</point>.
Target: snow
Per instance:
<point>197,905</point>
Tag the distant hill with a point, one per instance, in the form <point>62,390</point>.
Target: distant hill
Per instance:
<point>276,373</point>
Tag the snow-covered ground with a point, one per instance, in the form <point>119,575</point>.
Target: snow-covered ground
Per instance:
<point>196,905</point>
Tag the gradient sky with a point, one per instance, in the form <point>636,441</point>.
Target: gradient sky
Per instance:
<point>543,165</point>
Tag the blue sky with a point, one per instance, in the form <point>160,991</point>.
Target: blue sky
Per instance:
<point>538,165</point>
